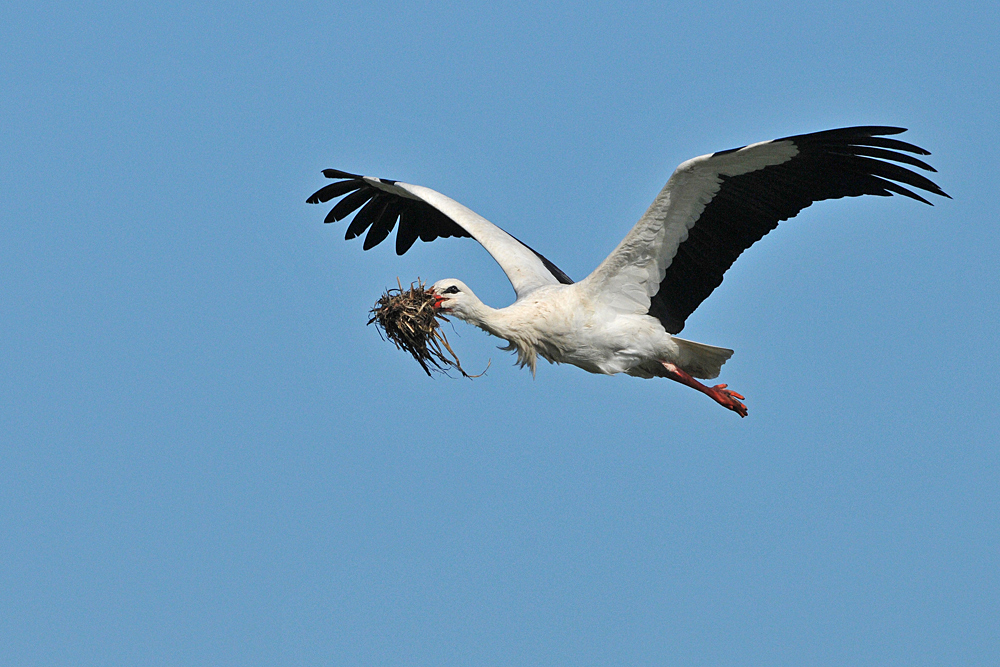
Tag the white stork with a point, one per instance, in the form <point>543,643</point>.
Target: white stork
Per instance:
<point>623,317</point>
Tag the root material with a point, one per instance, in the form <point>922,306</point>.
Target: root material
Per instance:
<point>409,320</point>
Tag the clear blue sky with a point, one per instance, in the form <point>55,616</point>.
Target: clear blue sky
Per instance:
<point>207,458</point>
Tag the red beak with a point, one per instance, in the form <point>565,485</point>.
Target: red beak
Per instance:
<point>437,300</point>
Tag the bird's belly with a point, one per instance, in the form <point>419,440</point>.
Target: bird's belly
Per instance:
<point>611,347</point>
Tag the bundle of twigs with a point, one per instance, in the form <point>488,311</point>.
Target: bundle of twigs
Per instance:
<point>410,321</point>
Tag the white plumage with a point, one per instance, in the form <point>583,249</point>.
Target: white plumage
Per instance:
<point>623,317</point>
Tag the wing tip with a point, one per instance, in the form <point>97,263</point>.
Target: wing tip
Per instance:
<point>338,174</point>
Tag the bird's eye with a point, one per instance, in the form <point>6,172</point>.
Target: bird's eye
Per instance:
<point>451,290</point>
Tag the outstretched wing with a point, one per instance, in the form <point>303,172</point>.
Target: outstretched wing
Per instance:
<point>716,206</point>
<point>425,214</point>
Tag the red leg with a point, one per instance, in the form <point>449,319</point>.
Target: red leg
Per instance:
<point>724,397</point>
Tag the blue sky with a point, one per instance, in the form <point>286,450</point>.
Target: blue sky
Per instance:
<point>207,458</point>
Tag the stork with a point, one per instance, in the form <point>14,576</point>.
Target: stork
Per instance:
<point>624,316</point>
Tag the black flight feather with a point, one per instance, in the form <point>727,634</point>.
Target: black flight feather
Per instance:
<point>848,162</point>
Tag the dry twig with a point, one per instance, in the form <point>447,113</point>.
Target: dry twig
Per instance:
<point>409,320</point>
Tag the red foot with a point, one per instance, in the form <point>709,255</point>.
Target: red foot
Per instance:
<point>719,393</point>
<point>727,398</point>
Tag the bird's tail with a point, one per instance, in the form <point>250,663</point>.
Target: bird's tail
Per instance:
<point>700,360</point>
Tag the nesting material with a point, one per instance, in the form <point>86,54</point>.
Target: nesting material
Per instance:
<point>409,320</point>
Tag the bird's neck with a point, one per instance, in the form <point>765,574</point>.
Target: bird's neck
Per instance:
<point>488,319</point>
<point>503,323</point>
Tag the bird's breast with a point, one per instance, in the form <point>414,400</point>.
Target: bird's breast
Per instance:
<point>566,327</point>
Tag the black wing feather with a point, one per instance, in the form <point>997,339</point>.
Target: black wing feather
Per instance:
<point>366,216</point>
<point>883,154</point>
<point>383,224</point>
<point>350,204</point>
<point>408,232</point>
<point>333,190</point>
<point>848,162</point>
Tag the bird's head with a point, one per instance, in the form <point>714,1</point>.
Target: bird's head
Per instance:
<point>455,298</point>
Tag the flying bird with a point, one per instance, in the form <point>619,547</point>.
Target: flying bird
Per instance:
<point>624,317</point>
